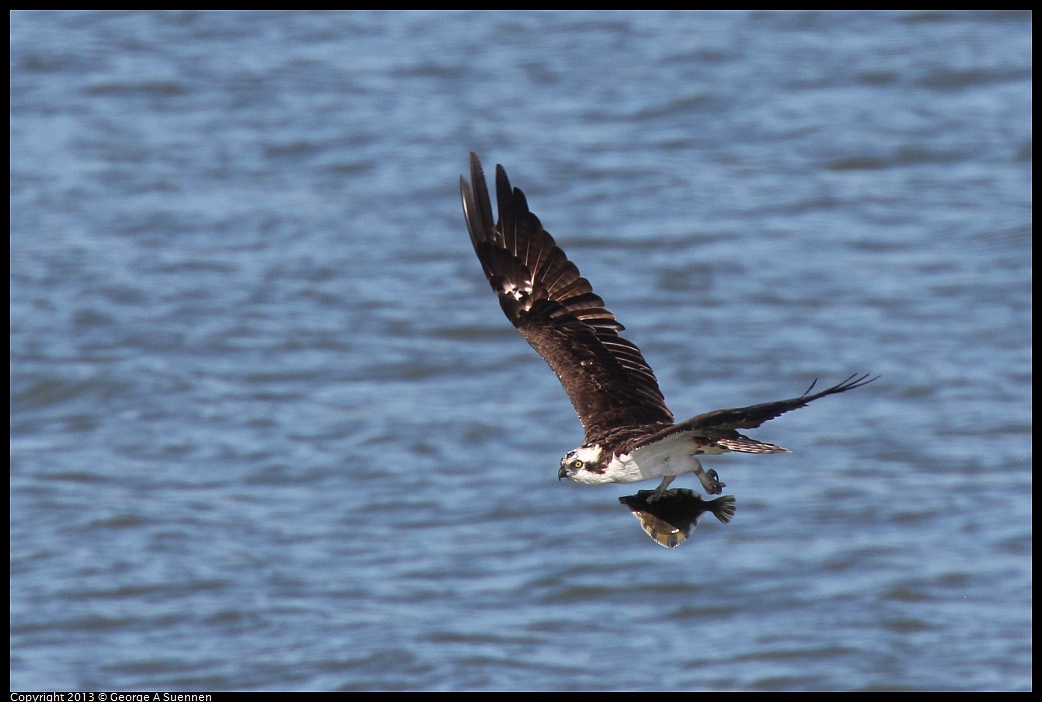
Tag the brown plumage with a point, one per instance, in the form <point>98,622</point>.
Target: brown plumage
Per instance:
<point>629,431</point>
<point>540,290</point>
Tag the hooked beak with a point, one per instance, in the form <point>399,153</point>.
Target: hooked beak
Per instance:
<point>562,473</point>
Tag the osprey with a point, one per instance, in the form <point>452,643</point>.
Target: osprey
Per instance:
<point>630,434</point>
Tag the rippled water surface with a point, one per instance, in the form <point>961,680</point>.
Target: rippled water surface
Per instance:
<point>270,429</point>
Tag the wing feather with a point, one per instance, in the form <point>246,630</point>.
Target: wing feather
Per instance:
<point>723,423</point>
<point>554,307</point>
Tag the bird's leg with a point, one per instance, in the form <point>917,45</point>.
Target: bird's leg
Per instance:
<point>710,480</point>
<point>661,489</point>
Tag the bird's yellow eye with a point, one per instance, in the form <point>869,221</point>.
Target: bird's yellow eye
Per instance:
<point>577,464</point>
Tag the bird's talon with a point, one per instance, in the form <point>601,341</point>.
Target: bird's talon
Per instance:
<point>711,482</point>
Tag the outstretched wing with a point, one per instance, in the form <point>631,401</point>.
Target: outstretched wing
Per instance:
<point>723,422</point>
<point>540,290</point>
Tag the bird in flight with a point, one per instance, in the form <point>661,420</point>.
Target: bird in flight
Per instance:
<point>630,433</point>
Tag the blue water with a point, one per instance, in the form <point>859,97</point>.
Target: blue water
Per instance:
<point>270,430</point>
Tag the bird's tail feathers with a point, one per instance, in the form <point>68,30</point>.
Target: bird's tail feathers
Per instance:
<point>743,444</point>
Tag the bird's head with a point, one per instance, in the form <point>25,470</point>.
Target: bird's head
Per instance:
<point>583,465</point>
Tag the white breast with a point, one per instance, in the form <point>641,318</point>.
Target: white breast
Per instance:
<point>671,456</point>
